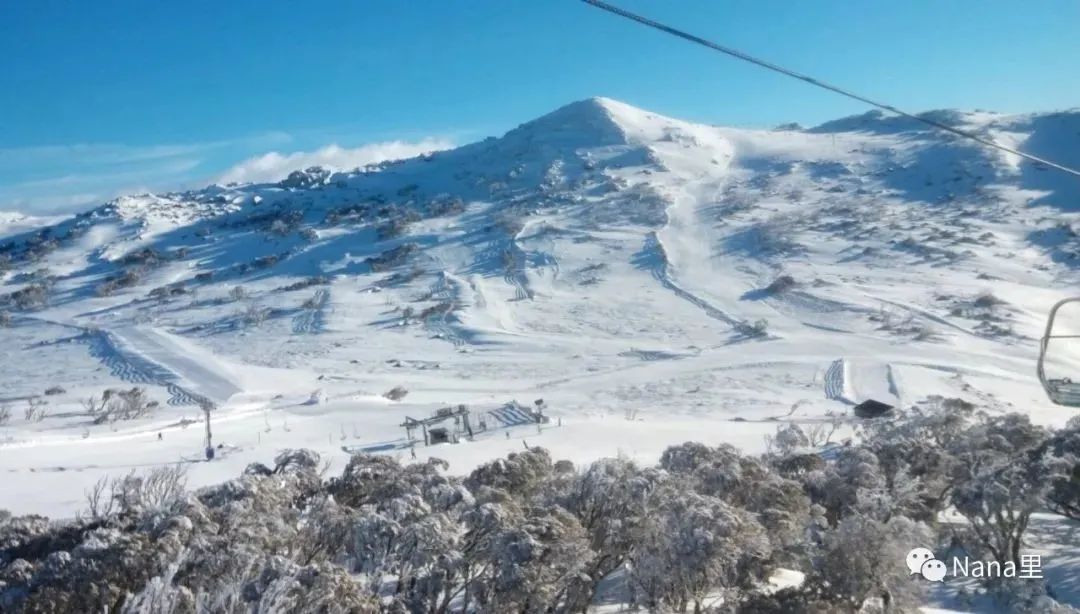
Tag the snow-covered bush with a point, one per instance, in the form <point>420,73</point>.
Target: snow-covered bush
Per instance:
<point>904,323</point>
<point>781,284</point>
<point>146,256</point>
<point>238,293</point>
<point>131,276</point>
<point>265,262</point>
<point>510,221</point>
<point>253,315</point>
<point>33,296</point>
<point>120,405</point>
<point>756,328</point>
<point>446,206</point>
<point>391,228</point>
<point>527,534</point>
<point>396,393</point>
<point>280,228</point>
<point>392,257</point>
<point>35,410</point>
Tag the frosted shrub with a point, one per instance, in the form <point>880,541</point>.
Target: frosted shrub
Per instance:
<point>120,405</point>
<point>34,296</point>
<point>706,526</point>
<point>253,316</point>
<point>756,328</point>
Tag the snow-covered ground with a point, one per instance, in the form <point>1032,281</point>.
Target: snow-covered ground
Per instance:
<point>608,260</point>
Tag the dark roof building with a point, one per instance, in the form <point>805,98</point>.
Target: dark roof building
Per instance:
<point>872,409</point>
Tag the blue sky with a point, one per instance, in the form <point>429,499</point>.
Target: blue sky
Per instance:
<point>102,97</point>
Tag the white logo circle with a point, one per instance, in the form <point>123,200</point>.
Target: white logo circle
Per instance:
<point>916,558</point>
<point>933,570</point>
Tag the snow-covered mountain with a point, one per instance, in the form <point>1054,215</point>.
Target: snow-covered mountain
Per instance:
<point>652,280</point>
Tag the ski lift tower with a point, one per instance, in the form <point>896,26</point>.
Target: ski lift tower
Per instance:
<point>207,406</point>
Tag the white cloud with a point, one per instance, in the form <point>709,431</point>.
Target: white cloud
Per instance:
<point>275,166</point>
<point>62,178</point>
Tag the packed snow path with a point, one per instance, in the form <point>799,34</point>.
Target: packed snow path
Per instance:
<point>853,381</point>
<point>194,370</point>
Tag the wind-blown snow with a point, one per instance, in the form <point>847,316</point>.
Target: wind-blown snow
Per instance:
<point>275,166</point>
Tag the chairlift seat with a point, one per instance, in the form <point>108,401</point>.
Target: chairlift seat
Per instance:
<point>1064,392</point>
<point>1060,390</point>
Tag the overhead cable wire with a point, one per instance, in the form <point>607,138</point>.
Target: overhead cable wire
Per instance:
<point>832,88</point>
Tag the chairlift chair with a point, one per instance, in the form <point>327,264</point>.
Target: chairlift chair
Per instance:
<point>1061,390</point>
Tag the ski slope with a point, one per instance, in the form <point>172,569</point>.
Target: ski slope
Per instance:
<point>195,371</point>
<point>652,280</point>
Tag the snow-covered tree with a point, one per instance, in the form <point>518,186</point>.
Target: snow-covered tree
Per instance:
<point>860,561</point>
<point>700,531</point>
<point>1006,480</point>
<point>609,501</point>
<point>1064,452</point>
<point>693,546</point>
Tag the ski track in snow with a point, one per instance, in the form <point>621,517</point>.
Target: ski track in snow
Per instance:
<point>929,316</point>
<point>509,259</point>
<point>480,301</point>
<point>834,381</point>
<point>446,292</point>
<point>661,272</point>
<point>122,364</point>
<point>179,397</point>
<point>311,320</point>
<point>545,260</point>
<point>516,267</point>
<point>172,363</point>
<point>127,364</point>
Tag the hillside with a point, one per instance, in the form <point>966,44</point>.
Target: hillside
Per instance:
<point>652,280</point>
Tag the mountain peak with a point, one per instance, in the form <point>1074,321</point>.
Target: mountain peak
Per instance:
<point>585,122</point>
<point>593,122</point>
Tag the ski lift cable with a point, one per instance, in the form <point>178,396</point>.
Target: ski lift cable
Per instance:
<point>812,81</point>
